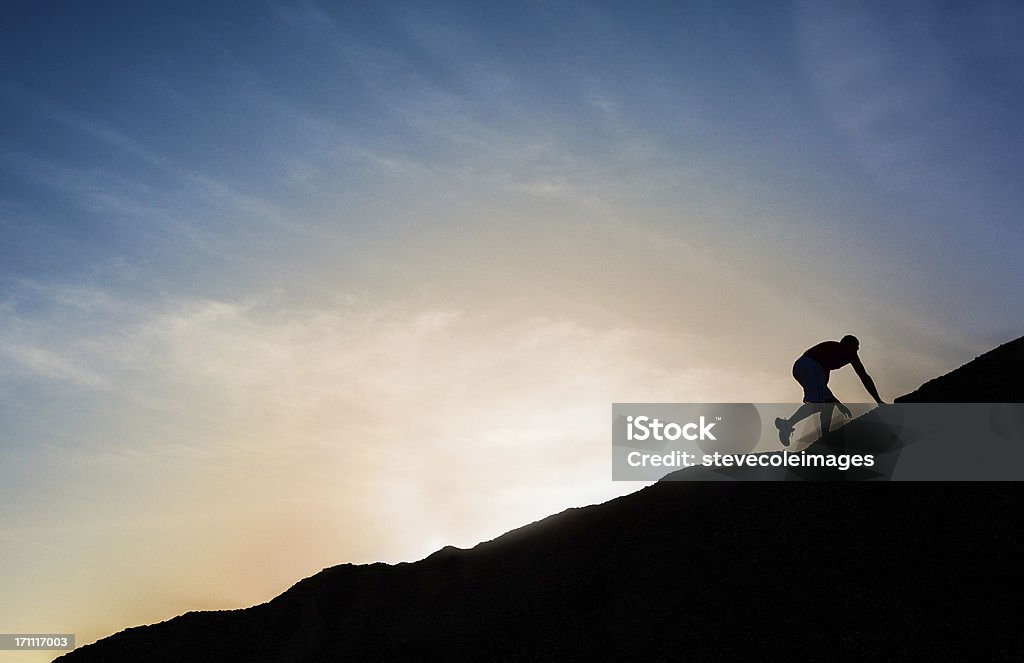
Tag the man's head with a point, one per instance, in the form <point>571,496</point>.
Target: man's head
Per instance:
<point>851,342</point>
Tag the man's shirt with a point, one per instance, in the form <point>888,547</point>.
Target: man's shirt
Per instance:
<point>833,354</point>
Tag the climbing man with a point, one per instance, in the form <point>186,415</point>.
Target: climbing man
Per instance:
<point>811,371</point>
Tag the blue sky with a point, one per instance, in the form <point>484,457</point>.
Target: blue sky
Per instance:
<point>289,264</point>
<point>148,149</point>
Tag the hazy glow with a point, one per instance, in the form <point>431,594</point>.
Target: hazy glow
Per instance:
<point>287,287</point>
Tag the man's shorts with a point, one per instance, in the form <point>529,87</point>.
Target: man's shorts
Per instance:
<point>813,378</point>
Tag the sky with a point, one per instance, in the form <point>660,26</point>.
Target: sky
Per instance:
<point>285,285</point>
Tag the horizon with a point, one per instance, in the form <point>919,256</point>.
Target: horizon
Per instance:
<point>289,286</point>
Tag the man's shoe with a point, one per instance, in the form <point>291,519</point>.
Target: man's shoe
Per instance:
<point>785,430</point>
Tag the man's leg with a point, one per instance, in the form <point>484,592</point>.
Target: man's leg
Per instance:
<point>786,426</point>
<point>813,378</point>
<point>826,416</point>
<point>804,411</point>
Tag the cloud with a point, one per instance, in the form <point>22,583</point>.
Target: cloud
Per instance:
<point>409,425</point>
<point>180,198</point>
<point>267,379</point>
<point>49,364</point>
<point>896,90</point>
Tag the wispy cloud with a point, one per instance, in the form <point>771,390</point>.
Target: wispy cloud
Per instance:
<point>44,362</point>
<point>889,84</point>
<point>180,189</point>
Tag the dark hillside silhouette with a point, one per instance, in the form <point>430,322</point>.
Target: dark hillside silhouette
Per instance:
<point>679,569</point>
<point>995,377</point>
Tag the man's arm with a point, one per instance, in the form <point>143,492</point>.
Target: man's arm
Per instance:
<point>869,384</point>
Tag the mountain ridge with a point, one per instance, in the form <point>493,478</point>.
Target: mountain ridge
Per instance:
<point>677,568</point>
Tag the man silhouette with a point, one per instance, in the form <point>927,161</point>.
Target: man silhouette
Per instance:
<point>811,371</point>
